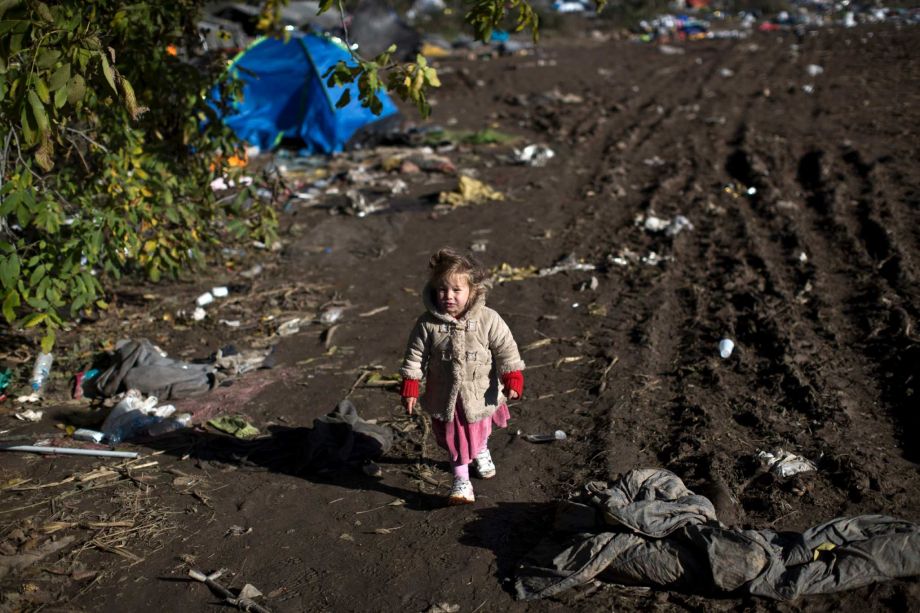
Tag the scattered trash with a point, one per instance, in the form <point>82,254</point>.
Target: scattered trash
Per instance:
<point>289,327</point>
<point>29,415</point>
<point>331,314</point>
<point>534,155</point>
<point>558,435</point>
<point>566,263</point>
<point>204,299</point>
<point>244,601</point>
<point>808,89</point>
<point>253,272</point>
<point>198,314</point>
<point>165,426</point>
<point>40,372</point>
<point>373,311</point>
<point>671,228</point>
<point>132,416</point>
<point>726,73</point>
<point>446,607</point>
<point>588,285</point>
<point>235,425</point>
<point>669,50</point>
<point>480,246</point>
<point>222,183</point>
<point>726,346</point>
<point>814,70</point>
<point>506,272</point>
<point>784,464</point>
<point>220,292</point>
<point>85,434</point>
<point>470,191</point>
<point>30,398</point>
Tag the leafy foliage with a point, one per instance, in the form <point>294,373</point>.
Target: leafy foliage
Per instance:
<point>412,81</point>
<point>104,164</point>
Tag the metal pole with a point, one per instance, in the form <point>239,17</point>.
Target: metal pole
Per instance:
<point>99,453</point>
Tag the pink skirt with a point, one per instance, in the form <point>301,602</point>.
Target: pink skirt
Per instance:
<point>463,440</point>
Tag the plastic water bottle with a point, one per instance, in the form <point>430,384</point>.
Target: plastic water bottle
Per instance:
<point>127,418</point>
<point>40,371</point>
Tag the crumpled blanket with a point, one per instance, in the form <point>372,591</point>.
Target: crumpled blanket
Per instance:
<point>649,529</point>
<point>145,367</point>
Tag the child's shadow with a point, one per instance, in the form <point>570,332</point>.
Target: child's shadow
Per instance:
<point>510,530</point>
<point>287,451</point>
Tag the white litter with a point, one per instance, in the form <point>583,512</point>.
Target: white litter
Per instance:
<point>29,415</point>
<point>784,464</point>
<point>534,155</point>
<point>726,346</point>
<point>220,292</point>
<point>814,70</point>
<point>204,299</point>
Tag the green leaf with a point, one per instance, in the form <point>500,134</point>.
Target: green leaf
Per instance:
<point>76,88</point>
<point>48,340</point>
<point>9,271</point>
<point>344,99</point>
<point>34,319</point>
<point>60,97</point>
<point>38,111</point>
<point>29,129</point>
<point>60,77</point>
<point>42,90</point>
<point>108,71</point>
<point>47,58</point>
<point>10,304</point>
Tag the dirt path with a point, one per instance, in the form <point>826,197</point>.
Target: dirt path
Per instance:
<point>804,251</point>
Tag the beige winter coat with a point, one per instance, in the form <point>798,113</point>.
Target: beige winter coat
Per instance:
<point>455,357</point>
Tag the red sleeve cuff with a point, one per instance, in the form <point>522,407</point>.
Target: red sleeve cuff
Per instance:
<point>409,388</point>
<point>514,380</point>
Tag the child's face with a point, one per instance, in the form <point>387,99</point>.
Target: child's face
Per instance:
<point>453,293</point>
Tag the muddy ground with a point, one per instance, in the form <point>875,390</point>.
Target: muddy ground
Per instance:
<point>814,274</point>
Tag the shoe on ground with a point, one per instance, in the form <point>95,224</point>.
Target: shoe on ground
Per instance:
<point>461,493</point>
<point>483,464</point>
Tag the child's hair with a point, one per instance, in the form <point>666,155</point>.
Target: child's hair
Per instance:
<point>447,262</point>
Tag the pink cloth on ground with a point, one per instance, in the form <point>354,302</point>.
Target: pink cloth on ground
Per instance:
<point>463,440</point>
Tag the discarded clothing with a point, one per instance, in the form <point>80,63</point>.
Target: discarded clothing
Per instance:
<point>341,439</point>
<point>649,529</point>
<point>235,425</point>
<point>143,366</point>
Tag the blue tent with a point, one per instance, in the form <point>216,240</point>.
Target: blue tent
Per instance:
<point>285,95</point>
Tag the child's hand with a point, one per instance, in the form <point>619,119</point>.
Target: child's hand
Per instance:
<point>512,395</point>
<point>409,403</point>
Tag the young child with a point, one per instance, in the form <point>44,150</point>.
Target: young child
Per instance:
<point>453,347</point>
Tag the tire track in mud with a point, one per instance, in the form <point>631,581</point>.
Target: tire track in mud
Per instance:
<point>880,305</point>
<point>640,397</point>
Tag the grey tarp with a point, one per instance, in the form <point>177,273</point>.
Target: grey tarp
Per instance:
<point>142,366</point>
<point>649,529</point>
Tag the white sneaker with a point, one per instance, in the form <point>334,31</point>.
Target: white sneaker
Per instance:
<point>461,492</point>
<point>483,464</point>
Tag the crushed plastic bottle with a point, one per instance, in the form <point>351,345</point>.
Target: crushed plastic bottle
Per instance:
<point>40,371</point>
